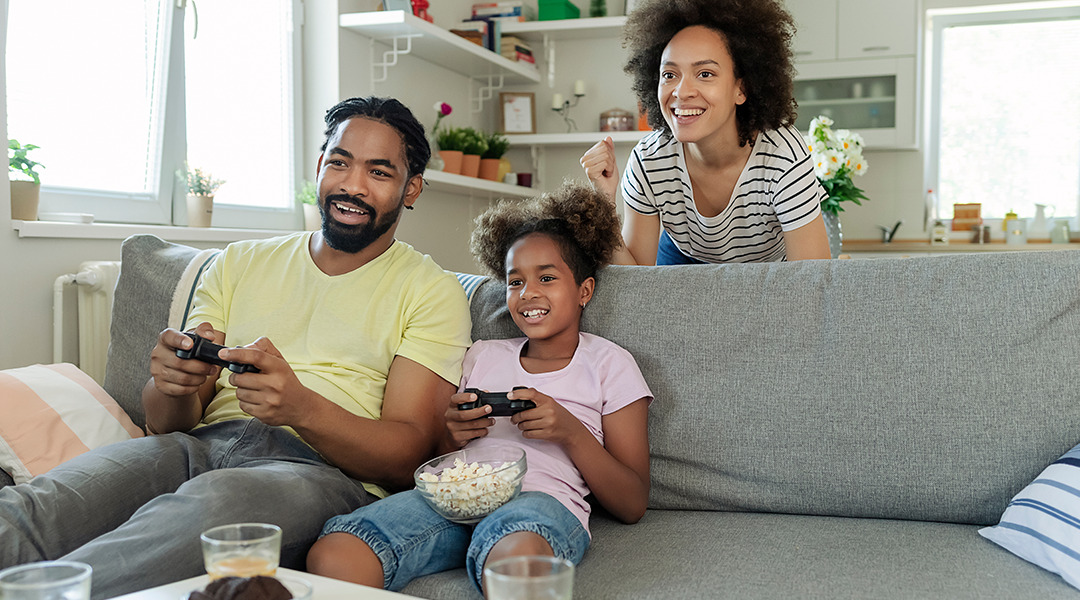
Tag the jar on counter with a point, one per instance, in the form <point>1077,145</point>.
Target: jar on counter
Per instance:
<point>617,119</point>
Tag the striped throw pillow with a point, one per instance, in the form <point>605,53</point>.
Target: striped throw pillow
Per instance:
<point>52,413</point>
<point>1042,523</point>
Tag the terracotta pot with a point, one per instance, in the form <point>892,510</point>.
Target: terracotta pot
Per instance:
<point>312,218</point>
<point>200,210</point>
<point>451,161</point>
<point>489,169</point>
<point>470,165</point>
<point>25,196</point>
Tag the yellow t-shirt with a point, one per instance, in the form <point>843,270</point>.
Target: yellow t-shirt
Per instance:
<point>339,333</point>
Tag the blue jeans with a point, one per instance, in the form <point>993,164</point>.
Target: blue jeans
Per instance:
<point>412,540</point>
<point>667,253</point>
<point>134,510</point>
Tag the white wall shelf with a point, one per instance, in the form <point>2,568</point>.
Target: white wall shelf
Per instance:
<point>587,138</point>
<point>437,45</point>
<point>474,186</point>
<point>566,29</point>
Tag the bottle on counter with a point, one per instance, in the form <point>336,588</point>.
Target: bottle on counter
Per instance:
<point>1009,216</point>
<point>939,234</point>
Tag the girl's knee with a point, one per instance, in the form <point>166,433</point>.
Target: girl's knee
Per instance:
<point>344,556</point>
<point>519,543</point>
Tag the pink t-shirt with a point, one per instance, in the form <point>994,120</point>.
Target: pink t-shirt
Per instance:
<point>601,378</point>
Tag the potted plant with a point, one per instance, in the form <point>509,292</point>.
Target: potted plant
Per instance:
<point>451,144</point>
<point>26,185</point>
<point>837,157</point>
<point>201,187</point>
<point>308,197</point>
<point>492,159</point>
<point>475,146</point>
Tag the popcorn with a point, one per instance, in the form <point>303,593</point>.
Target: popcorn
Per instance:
<point>469,490</point>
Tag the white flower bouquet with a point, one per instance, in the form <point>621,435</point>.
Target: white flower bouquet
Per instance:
<point>837,156</point>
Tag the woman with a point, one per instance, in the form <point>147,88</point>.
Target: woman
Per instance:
<point>724,177</point>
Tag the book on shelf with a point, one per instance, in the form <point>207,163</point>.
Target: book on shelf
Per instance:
<point>504,9</point>
<point>511,48</point>
<point>518,57</point>
<point>475,37</point>
<point>493,37</point>
<point>513,40</point>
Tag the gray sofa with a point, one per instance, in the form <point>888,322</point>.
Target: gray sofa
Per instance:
<point>825,429</point>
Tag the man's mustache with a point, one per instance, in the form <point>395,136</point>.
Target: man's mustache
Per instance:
<point>357,202</point>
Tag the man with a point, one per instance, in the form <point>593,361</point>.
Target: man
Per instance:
<point>358,341</point>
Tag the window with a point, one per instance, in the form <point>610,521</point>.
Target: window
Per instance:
<point>1005,109</point>
<point>123,91</point>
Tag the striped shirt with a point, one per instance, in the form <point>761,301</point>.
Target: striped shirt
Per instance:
<point>776,192</point>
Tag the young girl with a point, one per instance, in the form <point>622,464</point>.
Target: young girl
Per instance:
<point>724,177</point>
<point>587,433</point>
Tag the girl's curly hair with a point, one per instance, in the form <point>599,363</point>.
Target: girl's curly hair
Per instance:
<point>581,220</point>
<point>758,35</point>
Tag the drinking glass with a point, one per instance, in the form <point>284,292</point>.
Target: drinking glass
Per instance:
<point>241,550</point>
<point>48,580</point>
<point>529,578</point>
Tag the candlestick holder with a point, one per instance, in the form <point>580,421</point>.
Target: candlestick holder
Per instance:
<point>563,108</point>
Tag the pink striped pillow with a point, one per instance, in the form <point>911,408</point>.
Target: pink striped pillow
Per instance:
<point>52,413</point>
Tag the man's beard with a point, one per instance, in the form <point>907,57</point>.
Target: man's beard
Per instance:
<point>354,238</point>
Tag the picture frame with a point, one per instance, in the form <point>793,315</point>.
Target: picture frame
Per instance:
<point>517,112</point>
<point>404,5</point>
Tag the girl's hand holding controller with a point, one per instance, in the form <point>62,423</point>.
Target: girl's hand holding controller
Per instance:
<point>548,421</point>
<point>466,425</point>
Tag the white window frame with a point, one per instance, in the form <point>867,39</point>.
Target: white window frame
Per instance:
<point>169,205</point>
<point>938,21</point>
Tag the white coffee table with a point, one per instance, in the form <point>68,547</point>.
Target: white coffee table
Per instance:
<point>324,587</point>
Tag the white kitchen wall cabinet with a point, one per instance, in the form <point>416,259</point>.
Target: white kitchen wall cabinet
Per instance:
<point>849,29</point>
<point>815,38</point>
<point>857,64</point>
<point>876,28</point>
<point>876,98</point>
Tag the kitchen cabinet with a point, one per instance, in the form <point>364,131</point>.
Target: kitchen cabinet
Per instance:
<point>853,29</point>
<point>856,63</point>
<point>876,98</point>
<point>815,36</point>
<point>876,28</point>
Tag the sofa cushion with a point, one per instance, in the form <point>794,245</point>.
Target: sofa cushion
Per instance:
<point>909,389</point>
<point>52,413</point>
<point>154,290</point>
<point>1042,523</point>
<point>711,554</point>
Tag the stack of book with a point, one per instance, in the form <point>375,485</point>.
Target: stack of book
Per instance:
<point>488,17</point>
<point>516,49</point>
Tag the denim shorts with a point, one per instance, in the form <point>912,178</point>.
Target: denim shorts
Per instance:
<point>412,540</point>
<point>667,253</point>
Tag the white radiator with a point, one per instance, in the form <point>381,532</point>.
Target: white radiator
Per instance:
<point>96,283</point>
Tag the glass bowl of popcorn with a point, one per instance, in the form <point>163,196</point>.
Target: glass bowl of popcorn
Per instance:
<point>467,485</point>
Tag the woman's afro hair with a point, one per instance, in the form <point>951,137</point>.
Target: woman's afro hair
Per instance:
<point>580,219</point>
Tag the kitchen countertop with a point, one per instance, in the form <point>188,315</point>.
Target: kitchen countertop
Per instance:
<point>912,246</point>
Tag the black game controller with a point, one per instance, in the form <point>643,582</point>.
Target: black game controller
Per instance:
<point>207,351</point>
<point>501,406</point>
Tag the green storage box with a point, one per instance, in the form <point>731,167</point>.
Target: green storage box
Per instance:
<point>553,10</point>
